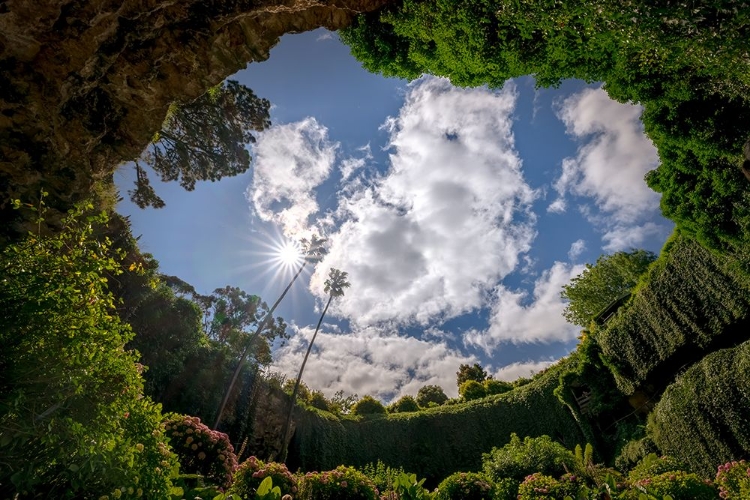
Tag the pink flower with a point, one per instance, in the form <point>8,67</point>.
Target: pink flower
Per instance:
<point>344,484</point>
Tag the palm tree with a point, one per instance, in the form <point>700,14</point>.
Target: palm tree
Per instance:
<point>312,251</point>
<point>334,286</point>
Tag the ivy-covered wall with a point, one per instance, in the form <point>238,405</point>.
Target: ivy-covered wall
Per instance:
<point>437,442</point>
<point>692,302</point>
<point>703,419</point>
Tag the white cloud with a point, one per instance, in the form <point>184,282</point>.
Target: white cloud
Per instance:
<point>290,162</point>
<point>371,361</point>
<point>428,239</point>
<point>609,167</point>
<point>519,369</point>
<point>540,320</point>
<point>576,249</point>
<point>326,35</point>
<point>625,237</point>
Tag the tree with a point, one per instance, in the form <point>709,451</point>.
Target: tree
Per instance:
<point>493,386</point>
<point>368,406</point>
<point>313,251</point>
<point>600,284</point>
<point>471,389</point>
<point>203,140</point>
<point>468,372</point>
<point>404,404</point>
<point>334,286</point>
<point>431,394</point>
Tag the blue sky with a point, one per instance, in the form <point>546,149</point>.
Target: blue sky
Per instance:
<point>458,213</point>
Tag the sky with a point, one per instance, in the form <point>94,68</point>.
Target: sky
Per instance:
<point>459,214</point>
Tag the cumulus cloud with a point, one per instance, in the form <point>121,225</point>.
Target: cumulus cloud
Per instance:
<point>371,361</point>
<point>609,166</point>
<point>519,369</point>
<point>429,238</point>
<point>291,160</point>
<point>515,318</point>
<point>576,249</point>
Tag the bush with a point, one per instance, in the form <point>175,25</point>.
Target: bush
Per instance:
<point>73,419</point>
<point>634,452</point>
<point>678,484</point>
<point>252,472</point>
<point>471,390</point>
<point>201,450</point>
<point>343,483</point>
<point>319,401</point>
<point>519,459</point>
<point>404,405</point>
<point>383,476</point>
<point>538,486</point>
<point>653,465</point>
<point>466,486</point>
<point>733,480</point>
<point>492,386</point>
<point>368,406</point>
<point>431,394</point>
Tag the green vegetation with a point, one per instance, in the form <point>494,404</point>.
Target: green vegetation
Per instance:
<point>518,458</point>
<point>431,395</point>
<point>465,486</point>
<point>368,406</point>
<point>684,62</point>
<point>202,140</point>
<point>702,418</point>
<point>403,405</point>
<point>602,283</point>
<point>690,299</point>
<point>439,441</point>
<point>73,419</point>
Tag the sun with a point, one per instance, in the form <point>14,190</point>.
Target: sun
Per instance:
<point>289,254</point>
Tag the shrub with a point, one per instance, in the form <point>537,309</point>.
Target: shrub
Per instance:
<point>201,450</point>
<point>319,401</point>
<point>506,489</point>
<point>343,483</point>
<point>678,484</point>
<point>518,459</point>
<point>73,419</point>
<point>404,405</point>
<point>431,394</point>
<point>492,386</point>
<point>252,472</point>
<point>733,480</point>
<point>383,476</point>
<point>368,406</point>
<point>538,486</point>
<point>633,452</point>
<point>471,390</point>
<point>654,465</point>
<point>466,486</point>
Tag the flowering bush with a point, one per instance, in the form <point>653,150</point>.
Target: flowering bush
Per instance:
<point>343,483</point>
<point>252,472</point>
<point>733,480</point>
<point>466,486</point>
<point>678,484</point>
<point>201,450</point>
<point>537,486</point>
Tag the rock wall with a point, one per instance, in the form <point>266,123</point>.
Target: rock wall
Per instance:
<point>84,84</point>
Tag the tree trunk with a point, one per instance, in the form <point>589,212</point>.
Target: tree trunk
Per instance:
<point>236,374</point>
<point>287,425</point>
